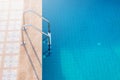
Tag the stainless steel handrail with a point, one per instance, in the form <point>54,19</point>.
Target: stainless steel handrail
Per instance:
<point>43,18</point>
<point>34,12</point>
<point>48,35</point>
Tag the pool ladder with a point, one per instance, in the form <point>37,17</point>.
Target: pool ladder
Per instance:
<point>47,35</point>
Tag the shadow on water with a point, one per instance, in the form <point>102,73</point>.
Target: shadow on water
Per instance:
<point>52,65</point>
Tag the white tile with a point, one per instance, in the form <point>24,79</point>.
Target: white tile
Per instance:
<point>15,15</point>
<point>12,22</point>
<point>16,5</point>
<point>13,36</point>
<point>19,22</point>
<point>0,60</point>
<point>4,15</point>
<point>2,36</point>
<point>14,25</point>
<point>1,48</point>
<point>2,23</point>
<point>4,5</point>
<point>3,27</point>
<point>4,0</point>
<point>11,61</point>
<point>9,75</point>
<point>12,48</point>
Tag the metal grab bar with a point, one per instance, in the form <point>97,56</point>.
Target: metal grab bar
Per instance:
<point>48,35</point>
<point>29,58</point>
<point>32,11</point>
<point>43,18</point>
<point>27,53</point>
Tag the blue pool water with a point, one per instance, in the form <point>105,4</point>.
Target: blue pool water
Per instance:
<point>85,40</point>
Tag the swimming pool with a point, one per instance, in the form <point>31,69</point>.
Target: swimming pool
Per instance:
<point>85,40</point>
